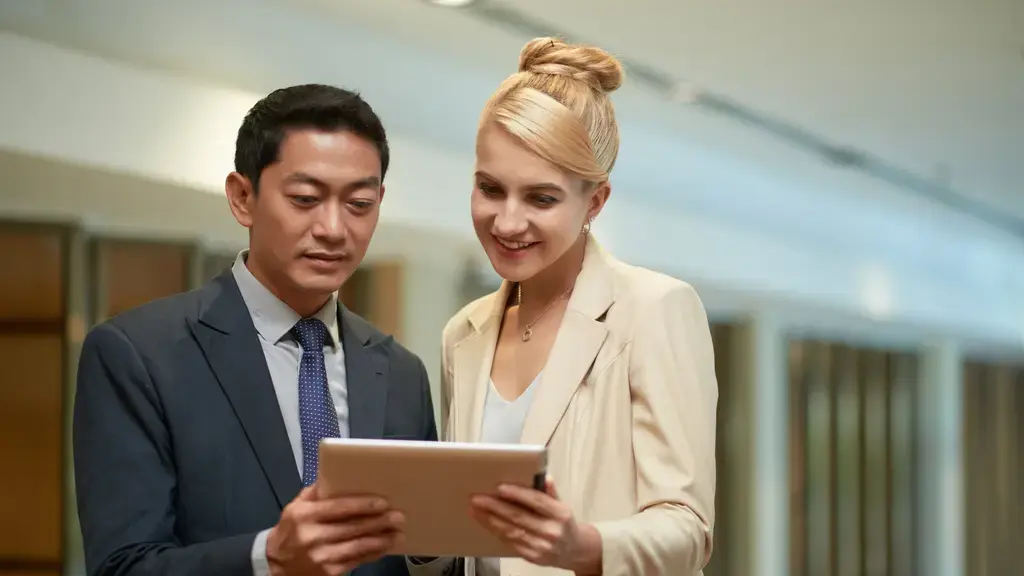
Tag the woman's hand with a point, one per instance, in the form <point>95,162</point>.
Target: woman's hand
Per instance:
<point>540,527</point>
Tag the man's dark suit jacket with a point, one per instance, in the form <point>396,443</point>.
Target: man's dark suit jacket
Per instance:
<point>181,455</point>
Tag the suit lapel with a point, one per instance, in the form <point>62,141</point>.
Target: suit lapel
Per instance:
<point>229,340</point>
<point>579,339</point>
<point>366,373</point>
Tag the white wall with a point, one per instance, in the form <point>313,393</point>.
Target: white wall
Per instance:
<point>84,110</point>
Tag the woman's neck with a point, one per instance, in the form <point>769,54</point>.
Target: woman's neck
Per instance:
<point>554,281</point>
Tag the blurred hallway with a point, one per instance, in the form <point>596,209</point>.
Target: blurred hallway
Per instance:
<point>866,301</point>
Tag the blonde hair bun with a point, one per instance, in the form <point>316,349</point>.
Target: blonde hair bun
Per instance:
<point>589,64</point>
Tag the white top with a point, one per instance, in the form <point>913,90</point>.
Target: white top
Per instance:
<point>503,423</point>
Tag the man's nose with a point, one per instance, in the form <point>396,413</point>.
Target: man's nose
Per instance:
<point>330,225</point>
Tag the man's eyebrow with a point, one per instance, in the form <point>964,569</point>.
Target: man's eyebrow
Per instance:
<point>304,178</point>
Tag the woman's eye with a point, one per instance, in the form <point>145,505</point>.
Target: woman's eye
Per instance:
<point>488,189</point>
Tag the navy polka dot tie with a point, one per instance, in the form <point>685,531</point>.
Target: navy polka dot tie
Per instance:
<point>318,416</point>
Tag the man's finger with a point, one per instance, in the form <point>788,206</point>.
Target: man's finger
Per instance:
<point>353,529</point>
<point>352,553</point>
<point>341,509</point>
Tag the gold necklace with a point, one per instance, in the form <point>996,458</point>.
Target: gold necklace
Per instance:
<point>528,333</point>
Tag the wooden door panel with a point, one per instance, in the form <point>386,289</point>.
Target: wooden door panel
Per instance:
<point>137,272</point>
<point>31,275</point>
<point>31,432</point>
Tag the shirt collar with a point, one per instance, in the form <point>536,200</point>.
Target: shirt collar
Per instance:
<point>273,318</point>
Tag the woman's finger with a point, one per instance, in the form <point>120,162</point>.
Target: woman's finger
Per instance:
<point>549,487</point>
<point>511,512</point>
<point>526,544</point>
<point>539,502</point>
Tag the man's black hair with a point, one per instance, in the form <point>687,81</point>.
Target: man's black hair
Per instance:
<point>307,106</point>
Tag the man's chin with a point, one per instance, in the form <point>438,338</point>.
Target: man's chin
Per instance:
<point>322,283</point>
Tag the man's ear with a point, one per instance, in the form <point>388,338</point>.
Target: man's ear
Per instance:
<point>381,192</point>
<point>241,197</point>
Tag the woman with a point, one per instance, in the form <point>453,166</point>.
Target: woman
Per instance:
<point>608,364</point>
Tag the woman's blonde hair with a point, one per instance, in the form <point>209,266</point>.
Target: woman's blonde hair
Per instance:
<point>558,106</point>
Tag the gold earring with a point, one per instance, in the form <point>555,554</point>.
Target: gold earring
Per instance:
<point>586,226</point>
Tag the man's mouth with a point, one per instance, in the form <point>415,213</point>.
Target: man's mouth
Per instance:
<point>325,257</point>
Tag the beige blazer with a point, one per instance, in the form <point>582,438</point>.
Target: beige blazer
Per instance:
<point>626,405</point>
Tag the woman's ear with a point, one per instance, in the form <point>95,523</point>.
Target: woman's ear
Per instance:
<point>598,199</point>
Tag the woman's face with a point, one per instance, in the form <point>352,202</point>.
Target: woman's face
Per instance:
<point>527,212</point>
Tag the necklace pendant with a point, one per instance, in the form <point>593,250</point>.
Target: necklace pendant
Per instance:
<point>527,334</point>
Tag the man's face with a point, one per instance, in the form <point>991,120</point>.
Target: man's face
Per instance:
<point>311,221</point>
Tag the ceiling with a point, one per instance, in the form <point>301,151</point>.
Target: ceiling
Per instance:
<point>934,90</point>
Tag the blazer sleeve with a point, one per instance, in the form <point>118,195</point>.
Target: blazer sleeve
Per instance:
<point>674,397</point>
<point>125,472</point>
<point>447,385</point>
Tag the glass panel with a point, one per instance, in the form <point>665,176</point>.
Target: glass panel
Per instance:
<point>798,382</point>
<point>819,461</point>
<point>875,384</point>
<point>1001,512</point>
<point>992,444</point>
<point>903,376</point>
<point>848,465</point>
<point>722,561</point>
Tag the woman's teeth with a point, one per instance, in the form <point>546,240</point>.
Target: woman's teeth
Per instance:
<point>514,245</point>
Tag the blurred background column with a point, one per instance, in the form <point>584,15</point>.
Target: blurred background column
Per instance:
<point>940,438</point>
<point>761,360</point>
<point>431,296</point>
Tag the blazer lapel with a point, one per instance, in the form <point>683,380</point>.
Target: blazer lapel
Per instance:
<point>229,340</point>
<point>473,359</point>
<point>579,339</point>
<point>366,372</point>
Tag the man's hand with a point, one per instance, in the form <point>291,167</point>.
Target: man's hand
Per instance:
<point>331,536</point>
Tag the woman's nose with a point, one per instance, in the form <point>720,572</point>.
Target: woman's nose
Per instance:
<point>510,221</point>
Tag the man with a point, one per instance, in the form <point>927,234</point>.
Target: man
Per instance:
<point>197,417</point>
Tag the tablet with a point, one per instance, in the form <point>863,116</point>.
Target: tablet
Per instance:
<point>432,484</point>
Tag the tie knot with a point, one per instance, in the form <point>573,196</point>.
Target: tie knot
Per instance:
<point>310,332</point>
